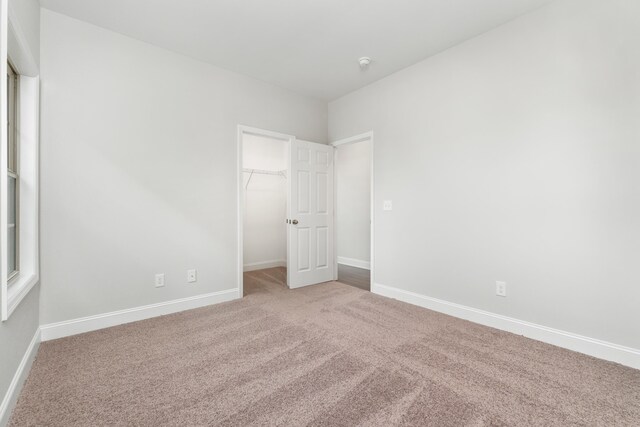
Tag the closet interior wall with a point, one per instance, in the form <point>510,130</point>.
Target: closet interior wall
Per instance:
<point>265,182</point>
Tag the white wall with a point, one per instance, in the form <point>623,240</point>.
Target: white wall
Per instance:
<point>265,209</point>
<point>353,210</point>
<point>15,335</point>
<point>17,332</point>
<point>139,162</point>
<point>27,14</point>
<point>515,156</point>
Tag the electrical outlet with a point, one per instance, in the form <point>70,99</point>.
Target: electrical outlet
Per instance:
<point>159,280</point>
<point>501,289</point>
<point>192,276</point>
<point>387,205</point>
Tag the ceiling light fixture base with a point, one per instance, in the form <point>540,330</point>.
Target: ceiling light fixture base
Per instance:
<point>364,62</point>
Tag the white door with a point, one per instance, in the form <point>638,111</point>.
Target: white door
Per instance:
<point>310,219</point>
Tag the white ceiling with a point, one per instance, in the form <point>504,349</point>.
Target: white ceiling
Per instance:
<point>308,46</point>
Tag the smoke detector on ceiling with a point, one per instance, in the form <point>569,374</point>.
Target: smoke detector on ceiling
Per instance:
<point>364,62</point>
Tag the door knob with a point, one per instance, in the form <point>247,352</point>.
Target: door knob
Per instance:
<point>294,222</point>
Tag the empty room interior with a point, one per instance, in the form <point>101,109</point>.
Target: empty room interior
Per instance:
<point>306,213</point>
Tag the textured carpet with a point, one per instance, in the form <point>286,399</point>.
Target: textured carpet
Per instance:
<point>323,355</point>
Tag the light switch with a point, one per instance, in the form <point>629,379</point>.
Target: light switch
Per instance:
<point>387,205</point>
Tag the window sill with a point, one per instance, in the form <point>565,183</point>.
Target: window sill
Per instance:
<point>18,289</point>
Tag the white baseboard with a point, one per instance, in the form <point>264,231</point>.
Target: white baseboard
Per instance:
<point>22,372</point>
<point>352,262</point>
<point>593,347</point>
<point>106,320</point>
<point>264,264</point>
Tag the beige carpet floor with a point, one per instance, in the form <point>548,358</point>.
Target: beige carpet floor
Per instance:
<point>325,355</point>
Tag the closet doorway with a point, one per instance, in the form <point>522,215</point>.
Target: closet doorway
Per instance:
<point>285,211</point>
<point>353,160</point>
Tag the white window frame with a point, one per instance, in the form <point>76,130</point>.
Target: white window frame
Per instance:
<point>14,47</point>
<point>15,171</point>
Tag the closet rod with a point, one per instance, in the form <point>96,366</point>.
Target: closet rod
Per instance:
<point>282,173</point>
<point>265,172</point>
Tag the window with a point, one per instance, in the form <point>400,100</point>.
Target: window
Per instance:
<point>13,178</point>
<point>19,126</point>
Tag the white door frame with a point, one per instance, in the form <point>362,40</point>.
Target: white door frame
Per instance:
<point>367,136</point>
<point>248,130</point>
